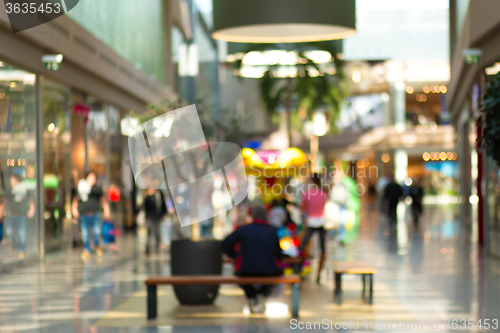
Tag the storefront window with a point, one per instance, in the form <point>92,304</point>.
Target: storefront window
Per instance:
<point>18,163</point>
<point>104,150</point>
<point>97,140</point>
<point>493,202</point>
<point>115,147</point>
<point>57,161</point>
<point>114,164</point>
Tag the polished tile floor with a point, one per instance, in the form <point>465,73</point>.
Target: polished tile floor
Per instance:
<point>429,275</point>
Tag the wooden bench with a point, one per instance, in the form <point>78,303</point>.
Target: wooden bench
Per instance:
<point>361,268</point>
<point>153,282</point>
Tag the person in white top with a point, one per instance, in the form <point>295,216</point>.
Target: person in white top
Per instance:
<point>277,216</point>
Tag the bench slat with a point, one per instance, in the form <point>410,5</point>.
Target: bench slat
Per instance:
<point>285,260</point>
<point>353,268</point>
<point>221,279</point>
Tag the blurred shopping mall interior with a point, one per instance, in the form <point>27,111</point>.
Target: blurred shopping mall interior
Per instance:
<point>136,135</point>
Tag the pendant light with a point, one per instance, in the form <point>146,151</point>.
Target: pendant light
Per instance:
<point>283,21</point>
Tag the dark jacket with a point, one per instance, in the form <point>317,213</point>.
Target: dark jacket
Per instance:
<point>393,193</point>
<point>154,207</point>
<point>416,194</point>
<point>260,249</point>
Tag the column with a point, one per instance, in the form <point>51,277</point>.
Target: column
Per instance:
<point>400,165</point>
<point>167,44</point>
<point>398,92</point>
<point>39,203</point>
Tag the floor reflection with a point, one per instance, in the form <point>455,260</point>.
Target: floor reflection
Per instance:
<point>433,271</point>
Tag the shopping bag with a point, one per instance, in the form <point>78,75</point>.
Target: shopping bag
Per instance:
<point>108,232</point>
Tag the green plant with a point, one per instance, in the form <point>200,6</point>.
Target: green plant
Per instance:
<point>54,106</point>
<point>312,88</point>
<point>155,109</point>
<point>491,109</point>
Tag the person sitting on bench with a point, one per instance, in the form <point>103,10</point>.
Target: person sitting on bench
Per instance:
<point>259,254</point>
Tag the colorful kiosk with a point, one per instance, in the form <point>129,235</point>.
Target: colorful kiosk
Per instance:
<point>268,173</point>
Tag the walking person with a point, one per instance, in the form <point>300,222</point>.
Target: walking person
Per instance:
<point>76,235</point>
<point>416,194</point>
<point>19,205</point>
<point>259,252</point>
<point>313,204</point>
<point>155,208</point>
<point>87,206</point>
<point>393,193</point>
<point>380,188</point>
<point>340,196</point>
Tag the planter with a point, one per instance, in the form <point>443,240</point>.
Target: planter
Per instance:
<point>196,258</point>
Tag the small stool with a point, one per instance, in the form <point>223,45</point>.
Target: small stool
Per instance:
<point>360,268</point>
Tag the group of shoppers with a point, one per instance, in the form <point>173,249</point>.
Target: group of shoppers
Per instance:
<point>88,200</point>
<point>260,251</point>
<point>259,247</point>
<point>393,193</point>
<point>89,207</point>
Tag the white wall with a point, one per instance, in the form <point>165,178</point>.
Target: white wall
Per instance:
<point>402,30</point>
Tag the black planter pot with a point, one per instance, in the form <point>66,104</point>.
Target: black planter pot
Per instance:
<point>196,258</point>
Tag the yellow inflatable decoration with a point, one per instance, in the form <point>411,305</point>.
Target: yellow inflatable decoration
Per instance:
<point>270,169</point>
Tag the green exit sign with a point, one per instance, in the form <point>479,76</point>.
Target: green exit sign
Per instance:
<point>52,66</point>
<point>471,56</point>
<point>471,59</point>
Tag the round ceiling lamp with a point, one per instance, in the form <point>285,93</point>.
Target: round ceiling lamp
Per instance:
<point>283,21</point>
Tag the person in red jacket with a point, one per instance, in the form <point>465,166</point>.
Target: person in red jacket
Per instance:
<point>259,254</point>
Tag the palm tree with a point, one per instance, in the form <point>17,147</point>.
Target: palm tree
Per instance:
<point>308,85</point>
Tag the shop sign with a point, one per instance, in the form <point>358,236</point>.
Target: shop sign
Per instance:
<point>81,109</point>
